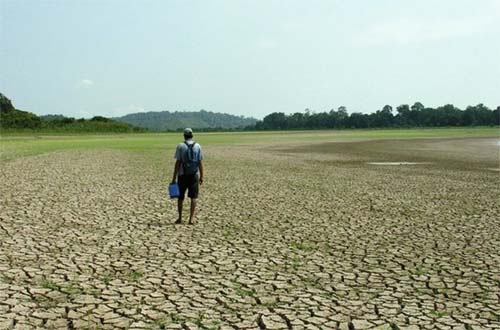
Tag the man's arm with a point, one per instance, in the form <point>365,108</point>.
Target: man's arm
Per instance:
<point>176,170</point>
<point>201,172</point>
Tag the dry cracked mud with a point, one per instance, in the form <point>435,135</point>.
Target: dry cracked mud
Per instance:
<point>301,240</point>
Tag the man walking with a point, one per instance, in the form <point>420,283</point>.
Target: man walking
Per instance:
<point>188,170</point>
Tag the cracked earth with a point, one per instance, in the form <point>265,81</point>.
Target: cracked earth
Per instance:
<point>283,240</point>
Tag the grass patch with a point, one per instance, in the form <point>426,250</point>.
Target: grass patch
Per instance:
<point>296,262</point>
<point>438,314</point>
<point>304,246</point>
<point>419,271</point>
<point>215,325</point>
<point>199,322</point>
<point>175,318</point>
<point>135,276</point>
<point>93,292</point>
<point>243,292</point>
<point>47,284</point>
<point>106,279</point>
<point>71,289</point>
<point>160,323</point>
<point>312,282</point>
<point>19,145</point>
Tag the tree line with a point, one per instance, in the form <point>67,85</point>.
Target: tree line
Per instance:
<point>404,116</point>
<point>12,119</point>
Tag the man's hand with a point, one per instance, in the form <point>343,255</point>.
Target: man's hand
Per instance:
<point>201,180</point>
<point>176,170</point>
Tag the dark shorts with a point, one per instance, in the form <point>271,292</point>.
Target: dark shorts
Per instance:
<point>190,183</point>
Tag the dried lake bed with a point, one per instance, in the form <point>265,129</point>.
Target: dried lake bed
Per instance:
<point>292,233</point>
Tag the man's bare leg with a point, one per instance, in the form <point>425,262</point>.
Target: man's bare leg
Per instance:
<point>179,209</point>
<point>191,214</point>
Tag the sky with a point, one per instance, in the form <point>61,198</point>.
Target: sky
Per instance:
<point>247,57</point>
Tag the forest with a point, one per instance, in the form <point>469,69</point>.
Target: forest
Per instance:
<point>404,116</point>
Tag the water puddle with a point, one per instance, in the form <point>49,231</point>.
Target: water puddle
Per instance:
<point>395,163</point>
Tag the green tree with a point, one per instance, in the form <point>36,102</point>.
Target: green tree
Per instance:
<point>416,113</point>
<point>275,120</point>
<point>403,116</point>
<point>358,120</point>
<point>384,117</point>
<point>5,104</point>
<point>10,117</point>
<point>495,116</point>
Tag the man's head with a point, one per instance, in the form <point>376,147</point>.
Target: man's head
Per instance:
<point>188,133</point>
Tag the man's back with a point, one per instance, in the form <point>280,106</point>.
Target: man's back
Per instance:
<point>182,154</point>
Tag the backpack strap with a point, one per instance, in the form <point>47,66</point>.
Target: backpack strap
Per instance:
<point>190,149</point>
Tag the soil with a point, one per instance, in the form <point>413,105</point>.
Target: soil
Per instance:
<point>312,238</point>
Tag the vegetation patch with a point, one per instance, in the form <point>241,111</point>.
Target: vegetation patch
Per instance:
<point>48,284</point>
<point>304,246</point>
<point>136,276</point>
<point>243,291</point>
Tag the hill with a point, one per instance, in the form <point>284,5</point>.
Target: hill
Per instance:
<point>165,120</point>
<point>12,118</point>
<point>15,120</point>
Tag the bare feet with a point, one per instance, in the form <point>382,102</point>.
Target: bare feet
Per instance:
<point>178,222</point>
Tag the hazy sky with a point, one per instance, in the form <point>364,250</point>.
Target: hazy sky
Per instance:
<point>85,58</point>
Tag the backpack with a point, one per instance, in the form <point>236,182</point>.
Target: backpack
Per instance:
<point>190,164</point>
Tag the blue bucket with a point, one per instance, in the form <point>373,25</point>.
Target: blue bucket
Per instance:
<point>173,190</point>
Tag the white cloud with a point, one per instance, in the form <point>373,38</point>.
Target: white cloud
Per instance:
<point>84,83</point>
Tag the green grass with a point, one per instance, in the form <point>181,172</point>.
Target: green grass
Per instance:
<point>106,279</point>
<point>419,270</point>
<point>243,292</point>
<point>47,284</point>
<point>438,314</point>
<point>296,262</point>
<point>71,289</point>
<point>303,246</point>
<point>14,146</point>
<point>135,276</point>
<point>175,318</point>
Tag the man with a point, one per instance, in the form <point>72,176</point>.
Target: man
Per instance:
<point>188,170</point>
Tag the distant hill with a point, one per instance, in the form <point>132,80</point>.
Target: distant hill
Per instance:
<point>165,120</point>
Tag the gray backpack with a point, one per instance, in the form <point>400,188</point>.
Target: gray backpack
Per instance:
<point>190,164</point>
